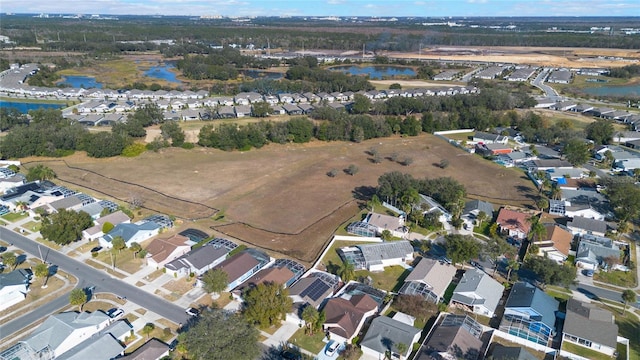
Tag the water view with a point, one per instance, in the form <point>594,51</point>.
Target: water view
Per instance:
<point>24,107</point>
<point>85,82</point>
<point>162,72</point>
<point>259,74</point>
<point>626,90</point>
<point>376,72</point>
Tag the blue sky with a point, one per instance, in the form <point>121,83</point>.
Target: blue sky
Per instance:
<point>435,8</point>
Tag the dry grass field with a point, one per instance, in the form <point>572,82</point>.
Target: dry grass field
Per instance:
<point>279,197</point>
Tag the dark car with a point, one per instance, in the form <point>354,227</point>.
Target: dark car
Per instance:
<point>96,249</point>
<point>290,355</point>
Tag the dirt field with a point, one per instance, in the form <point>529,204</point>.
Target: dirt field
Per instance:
<point>541,56</point>
<point>280,197</point>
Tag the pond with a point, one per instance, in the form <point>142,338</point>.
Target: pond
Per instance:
<point>261,74</point>
<point>625,90</point>
<point>85,82</point>
<point>24,107</point>
<point>163,72</point>
<point>376,72</point>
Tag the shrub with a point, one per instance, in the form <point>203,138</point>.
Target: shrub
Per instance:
<point>188,145</point>
<point>134,150</point>
<point>107,227</point>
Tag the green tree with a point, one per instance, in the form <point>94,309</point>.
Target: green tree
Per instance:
<point>482,216</point>
<point>10,259</point>
<point>549,272</point>
<point>220,335</point>
<point>628,296</point>
<point>301,129</point>
<point>625,200</point>
<point>576,151</point>
<point>386,235</point>
<point>461,248</point>
<point>261,109</point>
<point>135,248</point>
<point>512,264</point>
<point>118,243</point>
<point>148,329</point>
<point>347,271</point>
<point>172,130</point>
<point>215,281</point>
<point>600,131</point>
<point>40,172</point>
<point>313,319</point>
<point>267,304</point>
<point>107,227</point>
<point>352,169</point>
<point>41,270</point>
<point>542,203</point>
<point>78,297</point>
<point>65,226</point>
<point>415,306</point>
<point>402,349</point>
<point>537,231</point>
<point>361,104</point>
<point>495,247</point>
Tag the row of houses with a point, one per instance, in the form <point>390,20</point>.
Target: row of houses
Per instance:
<point>633,119</point>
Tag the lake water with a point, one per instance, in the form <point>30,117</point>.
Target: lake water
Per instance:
<point>24,107</point>
<point>376,72</point>
<point>162,72</point>
<point>628,90</point>
<point>85,82</point>
<point>259,74</point>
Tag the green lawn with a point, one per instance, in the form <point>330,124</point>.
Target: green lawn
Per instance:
<point>449,292</point>
<point>391,279</point>
<point>584,352</point>
<point>557,294</point>
<point>13,217</point>
<point>629,327</point>
<point>616,277</point>
<point>32,226</point>
<point>313,343</point>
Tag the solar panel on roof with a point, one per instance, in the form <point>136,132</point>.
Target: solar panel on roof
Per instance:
<point>315,290</point>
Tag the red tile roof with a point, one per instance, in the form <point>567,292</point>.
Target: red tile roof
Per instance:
<point>513,220</point>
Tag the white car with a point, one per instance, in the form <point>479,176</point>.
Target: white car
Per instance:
<point>193,311</point>
<point>116,313</point>
<point>332,348</point>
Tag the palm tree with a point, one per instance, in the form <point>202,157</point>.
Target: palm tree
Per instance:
<point>556,192</point>
<point>512,264</point>
<point>402,349</point>
<point>42,271</point>
<point>347,271</point>
<point>10,259</point>
<point>536,232</point>
<point>482,216</point>
<point>310,316</point>
<point>628,296</point>
<point>623,227</point>
<point>77,298</point>
<point>136,248</point>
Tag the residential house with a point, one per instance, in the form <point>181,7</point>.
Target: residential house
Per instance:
<point>201,259</point>
<point>429,279</point>
<point>345,316</point>
<point>377,256</point>
<point>548,164</point>
<point>14,286</point>
<point>590,326</point>
<point>488,138</point>
<point>72,202</point>
<point>314,288</point>
<point>530,314</point>
<point>153,349</point>
<point>276,275</point>
<point>561,76</point>
<point>455,337</point>
<point>242,266</point>
<point>393,224</point>
<point>137,232</point>
<point>595,251</point>
<point>582,202</point>
<point>62,332</point>
<point>427,204</point>
<point>385,333</point>
<point>492,149</point>
<point>564,105</point>
<point>556,243</point>
<point>94,210</point>
<point>114,218</point>
<point>292,109</point>
<point>107,344</point>
<point>514,223</point>
<point>242,110</point>
<point>582,225</point>
<point>162,251</point>
<point>478,292</point>
<point>472,209</point>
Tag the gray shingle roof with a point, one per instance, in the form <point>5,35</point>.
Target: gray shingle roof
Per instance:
<point>16,277</point>
<point>592,225</point>
<point>525,295</point>
<point>501,352</point>
<point>385,331</point>
<point>374,253</point>
<point>589,322</point>
<point>476,287</point>
<point>128,231</point>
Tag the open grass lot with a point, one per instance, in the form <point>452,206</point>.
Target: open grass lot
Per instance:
<point>616,277</point>
<point>391,279</point>
<point>13,216</point>
<point>279,197</point>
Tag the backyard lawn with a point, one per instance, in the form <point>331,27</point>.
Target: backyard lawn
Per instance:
<point>391,279</point>
<point>583,351</point>
<point>13,216</point>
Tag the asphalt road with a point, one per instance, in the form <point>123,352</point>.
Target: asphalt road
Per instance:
<point>539,83</point>
<point>87,276</point>
<point>593,292</point>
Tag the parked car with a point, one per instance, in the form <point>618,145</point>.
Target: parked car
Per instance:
<point>96,249</point>
<point>115,313</point>
<point>589,273</point>
<point>193,311</point>
<point>446,260</point>
<point>289,355</point>
<point>332,348</point>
